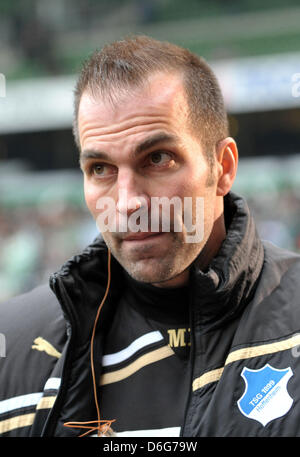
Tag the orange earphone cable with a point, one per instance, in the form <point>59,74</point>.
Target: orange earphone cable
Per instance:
<point>102,426</point>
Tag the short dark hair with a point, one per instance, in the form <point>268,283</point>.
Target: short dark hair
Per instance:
<point>128,63</point>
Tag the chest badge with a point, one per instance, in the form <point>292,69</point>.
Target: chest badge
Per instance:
<point>265,397</point>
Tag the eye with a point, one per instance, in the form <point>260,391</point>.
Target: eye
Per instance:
<point>160,158</point>
<point>100,170</point>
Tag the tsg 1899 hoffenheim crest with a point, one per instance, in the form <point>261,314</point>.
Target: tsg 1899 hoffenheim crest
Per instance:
<point>266,396</point>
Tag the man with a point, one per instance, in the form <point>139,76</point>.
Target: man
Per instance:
<point>157,332</point>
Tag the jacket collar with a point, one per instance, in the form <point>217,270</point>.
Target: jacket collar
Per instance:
<point>218,293</point>
<point>229,282</point>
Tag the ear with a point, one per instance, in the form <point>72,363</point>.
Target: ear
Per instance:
<point>227,158</point>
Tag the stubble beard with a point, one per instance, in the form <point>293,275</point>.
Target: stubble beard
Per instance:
<point>145,267</point>
<point>156,264</point>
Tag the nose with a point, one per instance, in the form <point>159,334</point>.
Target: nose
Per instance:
<point>131,194</point>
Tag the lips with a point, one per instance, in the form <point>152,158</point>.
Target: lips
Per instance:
<point>141,236</point>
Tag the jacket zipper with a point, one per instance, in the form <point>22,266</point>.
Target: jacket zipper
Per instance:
<point>52,418</point>
<point>191,368</point>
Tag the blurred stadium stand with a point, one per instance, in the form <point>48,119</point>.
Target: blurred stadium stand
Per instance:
<point>254,48</point>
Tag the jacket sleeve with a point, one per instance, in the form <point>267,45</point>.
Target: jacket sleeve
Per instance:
<point>32,337</point>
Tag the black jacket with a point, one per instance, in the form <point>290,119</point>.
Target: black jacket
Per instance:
<point>245,326</point>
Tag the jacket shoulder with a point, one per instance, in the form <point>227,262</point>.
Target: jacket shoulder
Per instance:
<point>274,312</point>
<point>33,332</point>
<point>281,270</point>
<point>34,310</point>
<point>276,254</point>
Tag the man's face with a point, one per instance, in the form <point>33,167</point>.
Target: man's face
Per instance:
<point>138,148</point>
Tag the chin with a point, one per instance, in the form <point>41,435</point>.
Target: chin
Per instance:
<point>145,277</point>
<point>149,273</point>
<point>161,280</point>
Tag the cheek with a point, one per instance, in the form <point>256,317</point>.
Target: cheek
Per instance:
<point>91,195</point>
<point>182,185</point>
<point>193,182</point>
<point>193,187</point>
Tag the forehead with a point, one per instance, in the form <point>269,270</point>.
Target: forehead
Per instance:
<point>160,101</point>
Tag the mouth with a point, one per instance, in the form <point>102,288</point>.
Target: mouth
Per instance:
<point>142,237</point>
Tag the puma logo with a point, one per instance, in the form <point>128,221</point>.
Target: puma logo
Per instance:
<point>40,344</point>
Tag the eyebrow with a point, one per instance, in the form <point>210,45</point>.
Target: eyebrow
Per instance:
<point>154,140</point>
<point>148,143</point>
